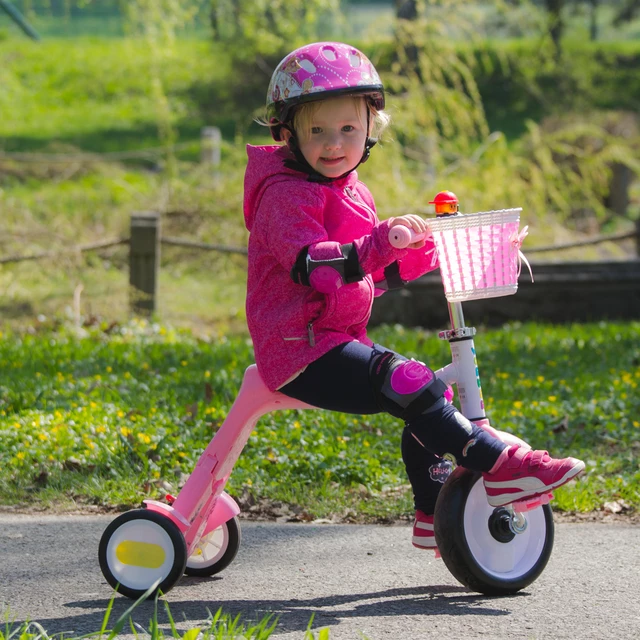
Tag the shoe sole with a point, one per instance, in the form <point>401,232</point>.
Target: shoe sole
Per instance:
<point>416,541</point>
<point>523,492</point>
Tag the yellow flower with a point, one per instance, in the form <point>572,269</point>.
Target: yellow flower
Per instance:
<point>518,404</point>
<point>125,431</point>
<point>207,374</point>
<point>552,398</point>
<point>20,455</point>
<point>184,363</point>
<point>296,424</point>
<point>143,437</point>
<point>366,443</point>
<point>636,424</point>
<point>109,369</point>
<point>101,429</point>
<point>540,378</point>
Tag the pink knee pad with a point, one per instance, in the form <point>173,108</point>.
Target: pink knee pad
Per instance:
<point>404,388</point>
<point>410,377</point>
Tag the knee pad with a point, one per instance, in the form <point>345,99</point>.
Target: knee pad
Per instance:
<point>404,388</point>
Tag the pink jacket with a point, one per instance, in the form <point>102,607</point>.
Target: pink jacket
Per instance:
<point>292,325</point>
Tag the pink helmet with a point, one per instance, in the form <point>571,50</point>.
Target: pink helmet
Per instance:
<point>312,72</point>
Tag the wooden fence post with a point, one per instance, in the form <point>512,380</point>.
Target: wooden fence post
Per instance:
<point>144,262</point>
<point>210,139</point>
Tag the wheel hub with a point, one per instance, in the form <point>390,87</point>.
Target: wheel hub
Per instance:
<point>500,525</point>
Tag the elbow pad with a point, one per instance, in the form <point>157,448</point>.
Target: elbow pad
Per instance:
<point>327,274</point>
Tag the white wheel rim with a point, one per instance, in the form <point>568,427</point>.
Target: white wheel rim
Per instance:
<point>210,548</point>
<point>503,560</point>
<point>139,553</point>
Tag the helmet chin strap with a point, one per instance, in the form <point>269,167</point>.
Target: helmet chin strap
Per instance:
<point>300,163</point>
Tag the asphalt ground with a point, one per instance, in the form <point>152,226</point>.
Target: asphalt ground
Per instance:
<point>357,580</point>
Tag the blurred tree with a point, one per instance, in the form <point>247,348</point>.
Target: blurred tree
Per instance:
<point>267,26</point>
<point>256,34</point>
<point>629,11</point>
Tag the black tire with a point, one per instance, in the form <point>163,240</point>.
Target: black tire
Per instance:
<point>231,537</point>
<point>469,532</point>
<point>161,536</point>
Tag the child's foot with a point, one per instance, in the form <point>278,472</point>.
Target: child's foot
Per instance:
<point>522,473</point>
<point>423,536</point>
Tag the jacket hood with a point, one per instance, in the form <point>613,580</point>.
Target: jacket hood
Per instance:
<point>265,167</point>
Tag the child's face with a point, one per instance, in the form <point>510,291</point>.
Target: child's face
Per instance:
<point>334,141</point>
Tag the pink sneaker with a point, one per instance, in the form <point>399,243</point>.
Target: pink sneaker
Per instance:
<point>423,536</point>
<point>521,473</point>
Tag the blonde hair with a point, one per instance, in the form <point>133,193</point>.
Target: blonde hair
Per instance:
<point>303,117</point>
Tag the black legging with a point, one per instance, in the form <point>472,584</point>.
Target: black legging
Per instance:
<point>339,381</point>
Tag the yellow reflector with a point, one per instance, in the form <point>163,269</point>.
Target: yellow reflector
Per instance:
<point>140,554</point>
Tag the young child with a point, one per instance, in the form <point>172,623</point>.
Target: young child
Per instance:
<point>318,254</point>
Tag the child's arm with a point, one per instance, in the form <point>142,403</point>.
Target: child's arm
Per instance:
<point>297,237</point>
<point>422,259</point>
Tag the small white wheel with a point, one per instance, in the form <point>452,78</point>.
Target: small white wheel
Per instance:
<point>215,550</point>
<point>479,543</point>
<point>141,548</point>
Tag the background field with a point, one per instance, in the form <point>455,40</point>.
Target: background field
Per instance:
<point>100,119</point>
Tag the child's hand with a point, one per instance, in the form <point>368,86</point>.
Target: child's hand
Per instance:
<point>416,224</point>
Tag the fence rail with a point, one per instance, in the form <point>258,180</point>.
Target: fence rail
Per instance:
<point>146,239</point>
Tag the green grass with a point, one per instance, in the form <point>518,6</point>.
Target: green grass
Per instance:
<point>109,416</point>
<point>96,93</point>
<point>219,626</point>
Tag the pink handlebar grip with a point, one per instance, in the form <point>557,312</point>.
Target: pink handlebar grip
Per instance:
<point>401,237</point>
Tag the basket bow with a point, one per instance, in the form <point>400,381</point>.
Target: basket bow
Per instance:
<point>516,239</point>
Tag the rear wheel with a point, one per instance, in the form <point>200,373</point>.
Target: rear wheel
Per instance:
<point>478,542</point>
<point>215,550</point>
<point>141,548</point>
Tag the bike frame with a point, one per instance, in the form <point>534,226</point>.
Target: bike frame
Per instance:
<point>202,505</point>
<point>463,369</point>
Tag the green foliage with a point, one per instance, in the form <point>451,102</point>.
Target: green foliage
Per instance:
<point>266,27</point>
<point>256,36</point>
<point>112,415</point>
<point>219,626</point>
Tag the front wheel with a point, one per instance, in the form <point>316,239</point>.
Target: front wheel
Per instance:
<point>477,544</point>
<point>215,550</point>
<point>139,549</point>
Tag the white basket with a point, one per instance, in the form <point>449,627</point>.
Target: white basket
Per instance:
<point>478,254</point>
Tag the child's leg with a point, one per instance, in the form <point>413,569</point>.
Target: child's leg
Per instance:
<point>409,390</point>
<point>354,378</point>
<point>337,381</point>
<point>426,471</point>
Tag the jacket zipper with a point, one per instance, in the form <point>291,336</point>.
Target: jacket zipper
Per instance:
<point>354,196</point>
<point>311,337</point>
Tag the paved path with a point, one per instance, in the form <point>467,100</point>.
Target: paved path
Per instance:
<point>356,579</point>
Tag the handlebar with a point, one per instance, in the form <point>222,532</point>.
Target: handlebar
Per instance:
<point>401,237</point>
